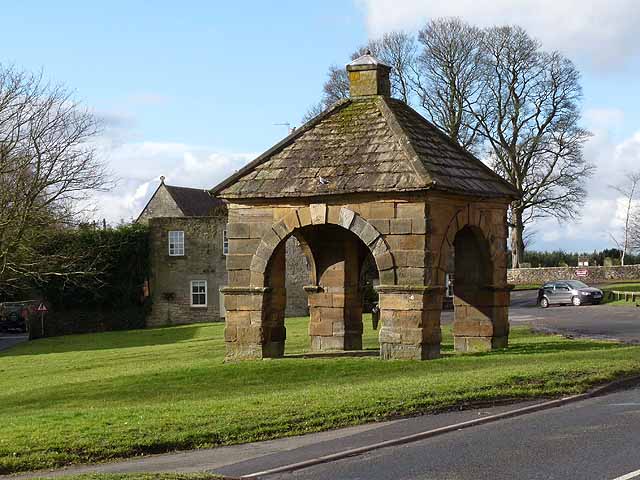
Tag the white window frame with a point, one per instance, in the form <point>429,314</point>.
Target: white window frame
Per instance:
<point>198,283</point>
<point>176,248</point>
<point>225,242</point>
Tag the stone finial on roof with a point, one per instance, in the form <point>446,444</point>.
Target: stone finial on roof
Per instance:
<point>161,179</point>
<point>368,76</point>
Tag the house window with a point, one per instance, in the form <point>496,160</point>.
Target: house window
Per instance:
<point>225,243</point>
<point>198,293</point>
<point>176,243</point>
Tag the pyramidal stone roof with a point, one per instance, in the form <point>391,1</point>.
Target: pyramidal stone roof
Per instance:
<point>365,144</point>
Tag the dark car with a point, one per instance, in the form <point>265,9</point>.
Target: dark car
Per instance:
<point>12,316</point>
<point>568,292</point>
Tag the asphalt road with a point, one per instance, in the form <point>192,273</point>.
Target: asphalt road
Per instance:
<point>593,321</point>
<point>8,340</point>
<point>596,321</point>
<point>592,439</point>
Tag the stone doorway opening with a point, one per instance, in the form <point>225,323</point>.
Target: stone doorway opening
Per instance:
<point>336,259</point>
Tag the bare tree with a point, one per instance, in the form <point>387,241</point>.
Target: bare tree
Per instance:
<point>448,77</point>
<point>630,237</point>
<point>334,89</point>
<point>634,231</point>
<point>496,92</point>
<point>528,115</point>
<point>397,49</point>
<point>47,167</point>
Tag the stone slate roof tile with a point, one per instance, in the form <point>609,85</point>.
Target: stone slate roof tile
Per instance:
<point>194,202</point>
<point>371,144</point>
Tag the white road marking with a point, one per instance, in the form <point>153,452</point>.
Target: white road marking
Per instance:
<point>522,318</point>
<point>629,476</point>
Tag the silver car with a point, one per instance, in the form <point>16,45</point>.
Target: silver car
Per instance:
<point>568,292</point>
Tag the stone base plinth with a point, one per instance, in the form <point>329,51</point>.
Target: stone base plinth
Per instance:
<point>237,352</point>
<point>273,349</point>
<point>399,351</point>
<point>336,343</point>
<point>410,317</point>
<point>479,344</point>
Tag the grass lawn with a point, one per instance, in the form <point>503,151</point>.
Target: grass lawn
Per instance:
<point>90,398</point>
<point>141,476</point>
<point>620,287</point>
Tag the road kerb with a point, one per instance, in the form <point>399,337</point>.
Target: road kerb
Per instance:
<point>609,387</point>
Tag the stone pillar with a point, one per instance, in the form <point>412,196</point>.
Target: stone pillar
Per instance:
<point>243,333</point>
<point>255,315</point>
<point>481,318</point>
<point>481,297</point>
<point>410,318</point>
<point>335,306</point>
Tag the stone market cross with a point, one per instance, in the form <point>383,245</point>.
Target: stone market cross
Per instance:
<point>369,177</point>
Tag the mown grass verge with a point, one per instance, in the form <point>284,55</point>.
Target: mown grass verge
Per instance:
<point>141,476</point>
<point>96,397</point>
<point>620,287</point>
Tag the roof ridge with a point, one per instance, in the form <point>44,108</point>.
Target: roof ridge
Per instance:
<point>149,201</point>
<point>286,141</point>
<point>413,157</point>
<point>455,145</point>
<point>187,188</point>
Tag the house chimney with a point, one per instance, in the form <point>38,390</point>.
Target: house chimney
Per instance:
<point>368,76</point>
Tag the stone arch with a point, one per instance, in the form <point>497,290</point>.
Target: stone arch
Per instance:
<point>336,242</point>
<point>319,214</point>
<point>465,217</point>
<point>481,298</point>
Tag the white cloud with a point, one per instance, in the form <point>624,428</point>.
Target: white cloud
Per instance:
<point>603,119</point>
<point>604,211</point>
<point>602,32</point>
<point>138,167</point>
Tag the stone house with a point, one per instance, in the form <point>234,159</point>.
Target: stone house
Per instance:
<point>369,178</point>
<point>188,247</point>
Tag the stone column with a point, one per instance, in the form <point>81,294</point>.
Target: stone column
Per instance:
<point>410,318</point>
<point>334,304</point>
<point>481,318</point>
<point>243,333</point>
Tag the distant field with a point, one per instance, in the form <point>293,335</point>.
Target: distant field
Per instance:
<point>91,398</point>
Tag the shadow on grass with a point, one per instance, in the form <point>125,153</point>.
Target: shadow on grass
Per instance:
<point>370,352</point>
<point>109,340</point>
<point>554,347</point>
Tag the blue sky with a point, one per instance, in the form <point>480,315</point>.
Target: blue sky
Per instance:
<point>192,89</point>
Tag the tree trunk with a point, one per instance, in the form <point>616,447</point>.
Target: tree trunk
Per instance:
<point>517,238</point>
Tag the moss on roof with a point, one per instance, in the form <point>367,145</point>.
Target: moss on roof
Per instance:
<point>371,144</point>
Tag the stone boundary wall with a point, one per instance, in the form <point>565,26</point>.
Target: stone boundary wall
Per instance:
<point>522,276</point>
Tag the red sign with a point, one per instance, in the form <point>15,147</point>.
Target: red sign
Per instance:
<point>42,308</point>
<point>582,273</point>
